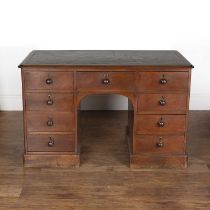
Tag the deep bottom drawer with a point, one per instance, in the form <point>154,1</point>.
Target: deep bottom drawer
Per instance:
<point>51,143</point>
<point>160,144</point>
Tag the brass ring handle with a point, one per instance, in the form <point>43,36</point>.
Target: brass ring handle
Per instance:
<point>51,142</point>
<point>106,81</point>
<point>161,123</point>
<point>50,122</point>
<point>162,101</point>
<point>160,144</point>
<point>49,101</point>
<point>49,81</point>
<point>163,81</point>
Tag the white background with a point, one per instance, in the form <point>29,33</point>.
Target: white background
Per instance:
<point>182,25</point>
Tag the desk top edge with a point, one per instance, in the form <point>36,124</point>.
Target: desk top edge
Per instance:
<point>107,58</point>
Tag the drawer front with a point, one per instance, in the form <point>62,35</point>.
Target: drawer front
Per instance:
<point>162,81</point>
<point>51,143</point>
<point>163,103</point>
<point>160,144</point>
<point>50,121</point>
<point>105,81</point>
<point>158,124</point>
<point>47,80</point>
<point>49,101</point>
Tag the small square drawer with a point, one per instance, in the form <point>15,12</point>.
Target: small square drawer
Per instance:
<point>173,144</point>
<point>50,121</point>
<point>160,124</point>
<point>50,143</point>
<point>95,81</point>
<point>48,80</point>
<point>162,81</point>
<point>49,101</point>
<point>162,103</point>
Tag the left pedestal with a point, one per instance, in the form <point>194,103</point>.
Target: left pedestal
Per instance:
<point>49,117</point>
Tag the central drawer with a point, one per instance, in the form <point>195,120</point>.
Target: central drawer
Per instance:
<point>160,124</point>
<point>104,81</point>
<point>50,121</point>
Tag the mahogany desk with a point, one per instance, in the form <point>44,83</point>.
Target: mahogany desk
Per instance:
<point>157,84</point>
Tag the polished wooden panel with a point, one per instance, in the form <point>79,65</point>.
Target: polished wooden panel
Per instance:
<point>36,80</point>
<point>50,143</point>
<point>61,161</point>
<point>162,103</point>
<point>115,81</point>
<point>62,121</point>
<point>49,101</point>
<point>160,144</point>
<point>150,81</point>
<point>158,161</point>
<point>148,124</point>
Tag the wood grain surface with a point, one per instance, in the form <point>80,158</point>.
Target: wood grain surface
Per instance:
<point>175,81</point>
<point>173,103</point>
<point>36,80</point>
<point>49,101</point>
